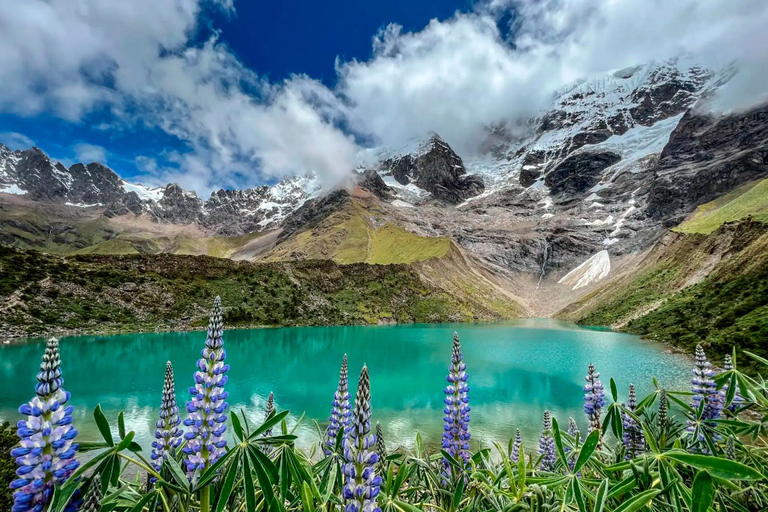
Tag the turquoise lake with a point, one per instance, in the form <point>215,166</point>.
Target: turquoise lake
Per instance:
<point>517,370</point>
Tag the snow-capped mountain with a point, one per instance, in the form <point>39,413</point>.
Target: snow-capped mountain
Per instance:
<point>32,174</point>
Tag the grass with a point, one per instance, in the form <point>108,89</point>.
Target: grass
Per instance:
<point>750,199</point>
<point>359,235</point>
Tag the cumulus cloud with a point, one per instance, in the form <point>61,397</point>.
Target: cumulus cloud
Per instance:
<point>15,140</point>
<point>458,76</point>
<point>142,62</point>
<point>137,59</point>
<point>87,153</point>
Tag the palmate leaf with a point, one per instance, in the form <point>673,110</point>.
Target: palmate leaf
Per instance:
<point>103,424</point>
<point>226,488</point>
<point>637,501</point>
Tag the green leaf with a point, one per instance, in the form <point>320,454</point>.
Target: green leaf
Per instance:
<point>717,467</point>
<point>259,464</point>
<point>637,501</point>
<point>306,497</point>
<point>602,493</point>
<point>103,424</point>
<point>210,473</point>
<point>614,391</point>
<point>236,426</point>
<point>559,442</point>
<point>121,425</point>
<point>587,450</point>
<point>146,499</point>
<point>126,441</point>
<point>226,488</point>
<point>250,490</point>
<point>270,422</point>
<point>576,487</point>
<point>178,475</point>
<point>702,493</point>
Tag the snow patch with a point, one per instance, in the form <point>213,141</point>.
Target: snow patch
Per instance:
<point>13,189</point>
<point>401,204</point>
<point>594,269</point>
<point>83,205</point>
<point>145,193</point>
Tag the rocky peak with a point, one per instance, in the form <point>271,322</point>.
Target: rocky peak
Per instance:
<point>178,206</point>
<point>436,168</point>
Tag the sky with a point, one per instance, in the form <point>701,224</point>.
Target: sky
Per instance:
<point>230,93</point>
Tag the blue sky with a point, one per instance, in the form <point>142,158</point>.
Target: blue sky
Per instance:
<point>273,39</point>
<point>234,93</point>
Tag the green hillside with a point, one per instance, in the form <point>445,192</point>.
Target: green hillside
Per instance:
<point>748,200</point>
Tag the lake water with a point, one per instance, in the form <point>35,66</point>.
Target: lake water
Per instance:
<point>517,370</point>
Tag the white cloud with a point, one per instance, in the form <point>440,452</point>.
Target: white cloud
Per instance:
<point>87,153</point>
<point>457,76</point>
<point>15,140</point>
<point>454,77</point>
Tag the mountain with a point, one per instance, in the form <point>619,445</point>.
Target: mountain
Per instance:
<point>564,214</point>
<point>32,174</point>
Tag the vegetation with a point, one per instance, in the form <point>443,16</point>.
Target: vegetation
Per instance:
<point>8,440</point>
<point>710,290</point>
<point>42,293</point>
<point>357,234</point>
<point>669,451</point>
<point>750,200</point>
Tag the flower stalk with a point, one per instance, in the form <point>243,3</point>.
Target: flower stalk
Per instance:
<point>167,431</point>
<point>341,416</point>
<point>456,433</point>
<point>46,452</point>
<point>207,408</point>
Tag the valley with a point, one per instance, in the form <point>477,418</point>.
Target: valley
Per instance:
<point>620,205</point>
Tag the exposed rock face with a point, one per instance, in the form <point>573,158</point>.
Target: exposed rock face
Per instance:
<point>371,181</point>
<point>94,183</point>
<point>706,157</point>
<point>579,172</point>
<point>178,206</point>
<point>314,211</point>
<point>436,168</point>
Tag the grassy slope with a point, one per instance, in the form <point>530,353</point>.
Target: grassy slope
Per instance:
<point>750,199</point>
<point>709,289</point>
<point>360,234</point>
<point>40,293</point>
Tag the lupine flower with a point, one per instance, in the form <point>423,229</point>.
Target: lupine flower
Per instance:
<point>738,400</point>
<point>362,485</point>
<point>456,428</point>
<point>633,438</point>
<point>207,408</point>
<point>730,448</point>
<point>704,387</point>
<point>381,448</point>
<point>167,431</point>
<point>46,452</point>
<point>547,444</point>
<point>662,418</point>
<point>93,496</point>
<point>516,446</point>
<point>340,417</point>
<point>594,398</point>
<point>268,410</point>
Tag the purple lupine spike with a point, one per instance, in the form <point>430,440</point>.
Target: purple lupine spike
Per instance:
<point>547,444</point>
<point>737,400</point>
<point>456,420</point>
<point>207,408</point>
<point>662,419</point>
<point>594,399</point>
<point>381,448</point>
<point>704,387</point>
<point>269,409</point>
<point>633,439</point>
<point>362,485</point>
<point>341,415</point>
<point>167,431</point>
<point>46,451</point>
<point>515,456</point>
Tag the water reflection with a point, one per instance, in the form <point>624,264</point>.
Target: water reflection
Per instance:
<point>517,371</point>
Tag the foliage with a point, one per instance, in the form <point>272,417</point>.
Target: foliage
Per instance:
<point>8,440</point>
<point>147,292</point>
<point>686,459</point>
